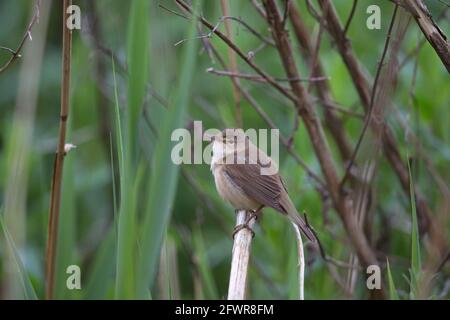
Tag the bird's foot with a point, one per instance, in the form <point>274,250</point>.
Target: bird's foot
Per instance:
<point>243,226</point>
<point>253,214</point>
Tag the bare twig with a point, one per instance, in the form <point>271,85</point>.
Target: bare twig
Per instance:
<point>259,8</point>
<point>316,134</point>
<point>55,196</point>
<point>332,121</point>
<point>10,51</point>
<point>239,52</point>
<point>372,97</point>
<point>315,53</point>
<point>287,6</point>
<point>350,17</point>
<point>312,10</point>
<point>173,11</point>
<point>16,53</point>
<point>224,20</point>
<point>430,29</point>
<point>258,78</point>
<point>362,86</point>
<point>240,258</point>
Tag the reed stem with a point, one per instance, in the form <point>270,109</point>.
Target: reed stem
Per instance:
<point>240,258</point>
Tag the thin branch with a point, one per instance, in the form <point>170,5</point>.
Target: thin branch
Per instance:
<point>258,78</point>
<point>259,8</point>
<point>265,40</point>
<point>316,134</point>
<point>332,121</point>
<point>16,53</point>
<point>421,43</point>
<point>173,11</point>
<point>10,51</point>
<point>372,97</point>
<point>358,75</point>
<point>430,29</point>
<point>315,53</point>
<point>350,17</point>
<point>330,260</point>
<point>55,196</point>
<point>312,10</point>
<point>286,14</point>
<point>235,48</point>
<point>327,104</point>
<point>223,19</point>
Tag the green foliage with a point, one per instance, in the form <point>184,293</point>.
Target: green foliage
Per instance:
<point>163,181</point>
<point>20,271</point>
<point>416,265</point>
<point>392,289</point>
<point>123,200</point>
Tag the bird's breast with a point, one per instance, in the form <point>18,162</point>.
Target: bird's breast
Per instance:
<point>229,191</point>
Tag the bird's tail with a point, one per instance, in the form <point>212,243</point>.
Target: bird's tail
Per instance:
<point>297,220</point>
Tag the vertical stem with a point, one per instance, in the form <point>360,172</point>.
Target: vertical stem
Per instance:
<point>55,197</point>
<point>240,258</point>
<point>301,263</point>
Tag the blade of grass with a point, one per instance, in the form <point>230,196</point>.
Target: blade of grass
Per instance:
<point>27,286</point>
<point>117,122</point>
<point>101,275</point>
<point>17,150</point>
<point>138,63</point>
<point>416,266</point>
<point>125,241</point>
<point>164,177</point>
<point>393,295</point>
<point>138,55</point>
<point>210,290</point>
<point>102,268</point>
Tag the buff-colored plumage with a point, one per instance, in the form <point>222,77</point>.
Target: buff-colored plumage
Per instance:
<point>236,166</point>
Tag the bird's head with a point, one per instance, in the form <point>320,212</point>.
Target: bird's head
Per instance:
<point>230,137</point>
<point>228,142</point>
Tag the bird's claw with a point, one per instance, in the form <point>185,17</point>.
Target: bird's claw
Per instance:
<point>239,227</point>
<point>253,214</point>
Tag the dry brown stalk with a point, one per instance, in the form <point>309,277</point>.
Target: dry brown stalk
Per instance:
<point>55,196</point>
<point>314,128</point>
<point>333,122</point>
<point>430,29</point>
<point>390,147</point>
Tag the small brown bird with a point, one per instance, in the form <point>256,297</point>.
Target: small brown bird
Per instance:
<point>237,165</point>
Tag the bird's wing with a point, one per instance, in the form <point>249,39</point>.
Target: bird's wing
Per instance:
<point>265,189</point>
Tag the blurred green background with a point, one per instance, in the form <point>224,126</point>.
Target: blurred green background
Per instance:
<point>120,199</point>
